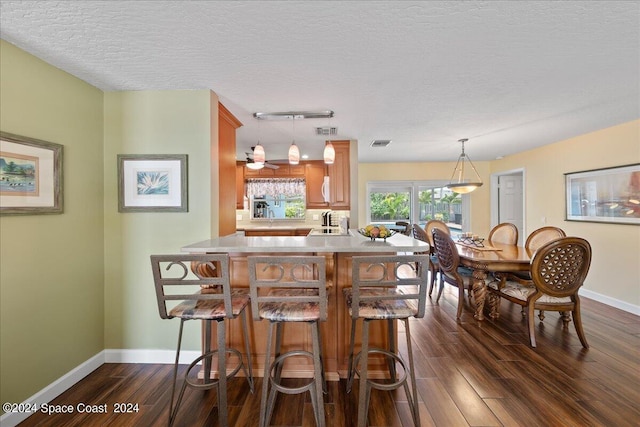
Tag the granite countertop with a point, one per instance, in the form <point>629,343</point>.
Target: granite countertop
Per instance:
<point>353,242</point>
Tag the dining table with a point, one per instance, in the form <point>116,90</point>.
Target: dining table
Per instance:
<point>486,258</point>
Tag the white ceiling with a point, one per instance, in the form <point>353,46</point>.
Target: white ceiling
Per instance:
<point>509,76</point>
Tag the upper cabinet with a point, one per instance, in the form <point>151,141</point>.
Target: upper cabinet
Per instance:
<point>339,177</point>
<point>240,185</point>
<point>313,171</point>
<point>282,171</point>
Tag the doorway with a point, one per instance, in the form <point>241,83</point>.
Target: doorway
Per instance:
<point>507,200</point>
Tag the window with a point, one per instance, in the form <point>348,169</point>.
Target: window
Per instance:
<point>415,202</point>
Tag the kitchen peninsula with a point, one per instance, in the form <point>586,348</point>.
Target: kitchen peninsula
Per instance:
<point>338,251</point>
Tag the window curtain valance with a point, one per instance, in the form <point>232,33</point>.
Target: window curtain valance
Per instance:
<point>276,187</point>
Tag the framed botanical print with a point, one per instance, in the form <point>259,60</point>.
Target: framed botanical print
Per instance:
<point>152,183</point>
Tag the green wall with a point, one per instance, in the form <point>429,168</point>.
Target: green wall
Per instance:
<point>75,284</point>
<point>163,122</point>
<point>52,275</point>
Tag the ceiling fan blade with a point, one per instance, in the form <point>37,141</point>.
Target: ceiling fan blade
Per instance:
<point>271,166</point>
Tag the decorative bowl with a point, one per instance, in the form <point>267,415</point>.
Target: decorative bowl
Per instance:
<point>376,232</point>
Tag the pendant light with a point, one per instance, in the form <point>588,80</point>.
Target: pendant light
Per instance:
<point>294,151</point>
<point>460,183</point>
<point>258,155</point>
<point>329,153</point>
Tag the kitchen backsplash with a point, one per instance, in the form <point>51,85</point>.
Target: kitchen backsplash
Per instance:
<point>313,219</point>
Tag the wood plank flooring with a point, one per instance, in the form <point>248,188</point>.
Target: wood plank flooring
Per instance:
<point>468,374</point>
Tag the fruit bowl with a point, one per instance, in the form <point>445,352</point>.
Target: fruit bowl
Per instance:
<point>376,232</point>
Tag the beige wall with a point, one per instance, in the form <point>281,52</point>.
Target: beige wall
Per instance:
<point>52,273</point>
<point>615,266</point>
<point>614,276</point>
<point>148,122</point>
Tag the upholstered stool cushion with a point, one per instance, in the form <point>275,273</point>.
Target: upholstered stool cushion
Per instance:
<point>382,309</point>
<point>210,309</point>
<point>522,292</point>
<point>277,311</point>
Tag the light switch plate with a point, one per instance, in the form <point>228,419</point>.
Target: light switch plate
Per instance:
<point>316,217</point>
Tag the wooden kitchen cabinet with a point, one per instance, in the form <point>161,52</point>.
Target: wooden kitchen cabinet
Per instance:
<point>315,172</point>
<point>283,171</point>
<point>339,177</point>
<point>240,185</point>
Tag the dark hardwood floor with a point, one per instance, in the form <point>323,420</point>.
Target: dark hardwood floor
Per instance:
<point>469,374</point>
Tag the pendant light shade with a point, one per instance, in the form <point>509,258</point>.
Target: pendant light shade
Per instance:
<point>294,151</point>
<point>258,154</point>
<point>294,154</point>
<point>462,181</point>
<point>329,153</point>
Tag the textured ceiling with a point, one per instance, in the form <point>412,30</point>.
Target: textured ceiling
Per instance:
<point>509,76</point>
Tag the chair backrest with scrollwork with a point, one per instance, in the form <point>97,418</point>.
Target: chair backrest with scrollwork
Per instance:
<point>300,281</point>
<point>175,275</point>
<point>560,267</point>
<point>396,282</point>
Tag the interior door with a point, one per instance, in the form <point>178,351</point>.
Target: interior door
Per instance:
<point>510,202</point>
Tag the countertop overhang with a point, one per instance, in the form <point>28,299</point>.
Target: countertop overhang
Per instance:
<point>353,242</point>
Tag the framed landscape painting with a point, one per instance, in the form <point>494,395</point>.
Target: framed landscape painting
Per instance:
<point>30,176</point>
<point>604,195</point>
<point>152,183</point>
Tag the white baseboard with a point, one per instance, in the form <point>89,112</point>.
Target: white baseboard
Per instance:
<point>149,356</point>
<point>54,389</point>
<point>68,380</point>
<point>616,303</point>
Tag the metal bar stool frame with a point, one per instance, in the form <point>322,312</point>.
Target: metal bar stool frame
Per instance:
<point>296,293</point>
<point>385,297</point>
<point>214,302</point>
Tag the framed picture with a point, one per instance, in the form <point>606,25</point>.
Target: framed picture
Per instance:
<point>152,183</point>
<point>30,176</point>
<point>604,195</point>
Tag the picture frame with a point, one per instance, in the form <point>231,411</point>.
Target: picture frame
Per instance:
<point>608,195</point>
<point>152,183</point>
<point>30,176</point>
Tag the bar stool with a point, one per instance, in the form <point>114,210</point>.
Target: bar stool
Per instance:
<point>215,301</point>
<point>385,287</point>
<point>289,289</point>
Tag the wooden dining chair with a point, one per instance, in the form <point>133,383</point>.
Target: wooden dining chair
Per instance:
<point>558,270</point>
<point>535,241</point>
<point>407,227</point>
<point>449,261</point>
<point>506,233</point>
<point>433,258</point>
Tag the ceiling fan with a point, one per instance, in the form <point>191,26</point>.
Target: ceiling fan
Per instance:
<point>267,164</point>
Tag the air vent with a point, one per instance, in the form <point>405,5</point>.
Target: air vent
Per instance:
<point>380,142</point>
<point>326,130</point>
